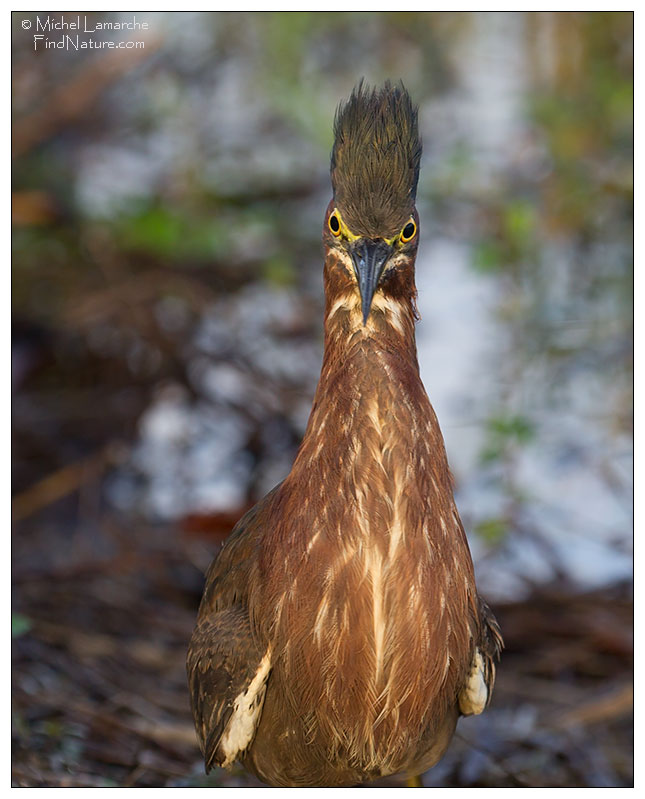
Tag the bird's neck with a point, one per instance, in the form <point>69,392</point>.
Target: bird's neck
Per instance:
<point>388,332</point>
<point>369,383</point>
<point>372,461</point>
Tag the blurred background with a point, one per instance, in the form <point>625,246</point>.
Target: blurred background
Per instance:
<point>167,336</point>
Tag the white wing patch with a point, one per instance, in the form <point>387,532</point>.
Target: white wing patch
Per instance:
<point>247,707</point>
<point>474,695</point>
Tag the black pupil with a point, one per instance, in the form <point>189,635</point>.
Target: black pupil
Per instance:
<point>334,224</point>
<point>408,230</point>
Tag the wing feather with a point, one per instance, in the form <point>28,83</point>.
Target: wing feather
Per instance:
<point>227,665</point>
<point>226,694</point>
<point>477,691</point>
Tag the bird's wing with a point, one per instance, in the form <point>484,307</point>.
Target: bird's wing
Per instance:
<point>477,691</point>
<point>227,665</point>
<point>227,674</point>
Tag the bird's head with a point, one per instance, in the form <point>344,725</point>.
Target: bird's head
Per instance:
<point>371,224</point>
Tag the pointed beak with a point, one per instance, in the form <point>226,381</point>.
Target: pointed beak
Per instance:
<point>369,257</point>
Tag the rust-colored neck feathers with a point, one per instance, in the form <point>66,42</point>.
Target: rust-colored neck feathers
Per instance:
<point>370,374</point>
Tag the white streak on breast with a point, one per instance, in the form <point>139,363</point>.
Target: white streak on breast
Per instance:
<point>247,708</point>
<point>396,534</point>
<point>312,541</point>
<point>319,626</point>
<point>374,566</point>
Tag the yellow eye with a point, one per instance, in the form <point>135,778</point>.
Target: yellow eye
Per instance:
<point>409,231</point>
<point>334,224</point>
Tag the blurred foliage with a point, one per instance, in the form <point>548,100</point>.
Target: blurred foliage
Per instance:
<point>191,176</point>
<point>493,531</point>
<point>581,204</point>
<point>503,432</point>
<point>174,233</point>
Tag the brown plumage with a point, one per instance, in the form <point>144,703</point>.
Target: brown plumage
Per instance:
<point>341,635</point>
<point>375,160</point>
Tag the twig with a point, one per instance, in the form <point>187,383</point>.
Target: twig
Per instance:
<point>617,704</point>
<point>58,485</point>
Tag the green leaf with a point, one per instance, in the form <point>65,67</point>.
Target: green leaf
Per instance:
<point>173,234</point>
<point>519,223</point>
<point>279,271</point>
<point>488,257</point>
<point>512,427</point>
<point>493,531</point>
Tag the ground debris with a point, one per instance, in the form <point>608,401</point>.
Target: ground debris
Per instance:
<point>100,696</point>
